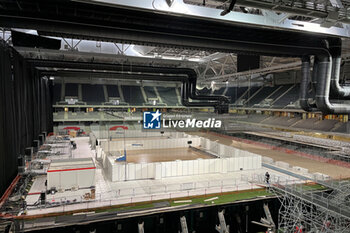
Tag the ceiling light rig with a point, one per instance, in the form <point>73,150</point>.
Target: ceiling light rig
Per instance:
<point>229,9</point>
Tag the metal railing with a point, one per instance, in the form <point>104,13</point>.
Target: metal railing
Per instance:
<point>151,193</point>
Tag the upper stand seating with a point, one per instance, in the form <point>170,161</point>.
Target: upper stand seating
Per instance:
<point>235,93</point>
<point>168,96</point>
<point>71,95</point>
<point>56,95</point>
<point>133,95</point>
<point>152,98</point>
<point>114,96</point>
<point>260,96</point>
<point>93,94</point>
<point>289,99</point>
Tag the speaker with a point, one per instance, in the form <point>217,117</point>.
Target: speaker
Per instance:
<point>28,152</point>
<point>247,62</point>
<point>21,164</point>
<point>36,145</point>
<point>20,161</point>
<point>34,41</point>
<point>41,139</point>
<point>42,197</point>
<point>45,135</point>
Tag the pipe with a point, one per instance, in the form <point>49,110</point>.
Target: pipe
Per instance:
<point>323,89</point>
<point>337,89</point>
<point>304,84</point>
<point>325,68</point>
<point>314,76</point>
<point>151,38</point>
<point>189,80</point>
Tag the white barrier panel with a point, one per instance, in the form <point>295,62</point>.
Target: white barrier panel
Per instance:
<point>320,176</point>
<point>218,164</point>
<point>131,171</point>
<point>224,165</point>
<point>232,159</point>
<point>211,168</point>
<point>196,141</point>
<point>190,167</point>
<point>138,172</point>
<point>150,144</point>
<point>207,144</point>
<point>282,164</point>
<point>173,169</point>
<point>130,133</point>
<point>240,163</point>
<point>179,167</point>
<point>214,147</point>
<point>151,171</point>
<point>267,159</point>
<point>185,168</point>
<point>259,163</point>
<point>158,171</point>
<point>195,167</point>
<point>300,169</point>
<point>221,150</point>
<point>200,166</point>
<point>116,171</point>
<point>203,142</point>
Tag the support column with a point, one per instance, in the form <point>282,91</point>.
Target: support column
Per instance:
<point>222,228</point>
<point>80,93</point>
<point>178,95</point>
<point>183,223</point>
<point>121,94</point>
<point>143,94</point>
<point>63,90</point>
<point>105,92</point>
<point>140,227</point>
<point>158,96</point>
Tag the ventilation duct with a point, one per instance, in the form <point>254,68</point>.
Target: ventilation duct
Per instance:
<point>336,88</point>
<point>304,84</point>
<point>314,76</point>
<point>187,76</point>
<point>328,68</point>
<point>220,103</point>
<point>323,89</point>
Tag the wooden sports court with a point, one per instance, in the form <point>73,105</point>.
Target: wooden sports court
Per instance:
<point>143,138</point>
<point>164,155</point>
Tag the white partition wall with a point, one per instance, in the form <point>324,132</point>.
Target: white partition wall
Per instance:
<point>71,173</point>
<point>116,171</point>
<point>230,160</point>
<point>140,144</point>
<point>132,133</point>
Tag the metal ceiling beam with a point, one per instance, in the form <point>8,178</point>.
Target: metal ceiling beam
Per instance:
<point>256,72</point>
<point>47,54</point>
<point>87,76</point>
<point>180,8</point>
<point>152,28</point>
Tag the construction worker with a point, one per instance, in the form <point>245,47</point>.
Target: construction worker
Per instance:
<point>298,229</point>
<point>267,178</point>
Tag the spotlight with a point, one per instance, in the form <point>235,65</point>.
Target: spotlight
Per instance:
<point>229,9</point>
<point>169,2</point>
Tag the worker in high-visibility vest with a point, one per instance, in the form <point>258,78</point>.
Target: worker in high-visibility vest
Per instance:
<point>298,229</point>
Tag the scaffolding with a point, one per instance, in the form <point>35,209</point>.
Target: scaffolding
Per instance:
<point>305,210</point>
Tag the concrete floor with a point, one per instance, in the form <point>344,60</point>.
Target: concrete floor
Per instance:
<point>114,193</point>
<point>294,160</point>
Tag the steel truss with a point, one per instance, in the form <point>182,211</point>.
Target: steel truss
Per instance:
<point>303,210</point>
